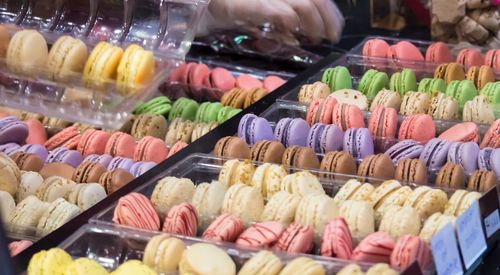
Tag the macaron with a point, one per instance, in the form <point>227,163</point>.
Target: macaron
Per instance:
<point>104,160</point>
<point>225,227</point>
<point>57,214</point>
<point>352,97</point>
<point>162,245</point>
<point>220,78</point>
<point>300,157</point>
<point>375,248</point>
<point>281,207</point>
<point>309,92</point>
<point>93,142</point>
<point>411,170</point>
<point>234,98</point>
<point>451,175</point>
<point>303,265</point>
<point>134,266</point>
<point>386,98</point>
<point>120,145</point>
<point>337,240</point>
<point>358,142</point>
<point>405,149</point>
<point>264,262</point>
<point>69,137</point>
<point>482,181</point>
<point>302,183</point>
<point>489,159</point>
<point>449,72</point>
<point>267,151</point>
<point>61,154</point>
<point>292,131</point>
<point>137,211</point>
<point>492,92</point>
<point>438,52</point>
<point>57,169</point>
<point>232,147</point>
<point>372,82</point>
<point>323,138</point>
<point>136,68</point>
<point>409,249</point>
<point>184,108</point>
<point>470,57</point>
<point>273,82</point>
<point>13,130</point>
<point>36,132</point>
<point>204,258</point>
<point>9,148</point>
<point>383,122</point>
<point>54,188</point>
<point>7,205</point>
<point>433,224</point>
<point>242,194</point>
<point>398,221</point>
<point>360,218</point>
<point>253,129</point>
<point>179,130</point>
<point>88,172</point>
<point>337,78</point>
<point>338,162</point>
<point>27,161</point>
<point>375,48</point>
<point>171,191</point>
<point>296,238</point>
<point>443,107</point>
<point>419,127</point>
<point>427,201</point>
<point>86,264</point>
<point>492,136</point>
<point>208,112</point>
<point>317,210</point>
<point>462,91</point>
<point>208,199</point>
<point>248,82</point>
<point>226,113</point>
<point>403,82</point>
<point>67,56</point>
<point>320,110</point>
<point>435,153</point>
<point>261,234</point>
<point>182,219</point>
<point>404,50</point>
<point>376,166</point>
<point>178,146</point>
<point>149,125</point>
<point>347,116</point>
<point>492,59</point>
<point>20,56</point>
<point>431,85</point>
<point>160,105</point>
<point>120,162</point>
<point>36,149</point>
<point>480,76</point>
<point>54,261</point>
<point>254,95</point>
<point>465,131</point>
<point>415,103</point>
<point>151,149</point>
<point>101,65</point>
<point>479,110</point>
<point>17,247</point>
<point>465,154</point>
<point>86,195</point>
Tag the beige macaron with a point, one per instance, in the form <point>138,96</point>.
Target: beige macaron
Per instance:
<point>262,263</point>
<point>302,183</point>
<point>281,207</point>
<point>460,201</point>
<point>302,266</point>
<point>28,212</point>
<point>310,92</point>
<point>7,205</point>
<point>398,221</point>
<point>244,201</point>
<point>54,187</point>
<point>86,195</point>
<point>163,253</point>
<point>171,191</point>
<point>206,259</point>
<point>354,190</point>
<point>207,200</point>
<point>387,194</point>
<point>67,57</point>
<point>10,175</point>
<point>316,211</point>
<point>27,52</point>
<point>351,269</point>
<point>267,178</point>
<point>381,269</point>
<point>427,201</point>
<point>433,224</point>
<point>360,218</point>
<point>235,171</point>
<point>57,214</point>
<point>30,183</point>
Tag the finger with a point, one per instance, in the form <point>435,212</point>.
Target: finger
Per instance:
<point>333,19</point>
<point>311,24</point>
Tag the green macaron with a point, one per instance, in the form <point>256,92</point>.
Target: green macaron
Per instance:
<point>403,82</point>
<point>208,112</point>
<point>430,85</point>
<point>492,92</point>
<point>160,105</point>
<point>462,91</point>
<point>226,113</point>
<point>373,82</point>
<point>337,78</point>
<point>184,108</point>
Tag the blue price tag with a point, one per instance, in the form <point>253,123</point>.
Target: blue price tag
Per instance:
<point>492,223</point>
<point>470,235</point>
<point>445,252</point>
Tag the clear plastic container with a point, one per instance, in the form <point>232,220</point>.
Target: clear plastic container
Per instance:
<point>165,27</point>
<point>112,245</point>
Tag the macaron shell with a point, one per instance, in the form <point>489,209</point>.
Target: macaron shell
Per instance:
<point>375,48</point>
<point>272,82</point>
<point>438,52</point>
<point>136,210</point>
<point>57,169</point>
<point>248,82</point>
<point>404,50</point>
<point>151,149</point>
<point>120,145</point>
<point>221,78</point>
<point>470,57</point>
<point>36,132</point>
<point>93,142</point>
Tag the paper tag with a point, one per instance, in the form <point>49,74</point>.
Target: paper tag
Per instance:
<point>470,235</point>
<point>492,223</point>
<point>445,251</point>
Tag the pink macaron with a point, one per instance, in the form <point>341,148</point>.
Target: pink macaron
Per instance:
<point>197,74</point>
<point>464,132</point>
<point>136,210</point>
<point>18,247</point>
<point>347,116</point>
<point>404,50</point>
<point>419,127</point>
<point>272,82</point>
<point>337,240</point>
<point>179,145</point>
<point>296,238</point>
<point>224,228</point>
<point>120,145</point>
<point>93,142</point>
<point>321,110</point>
<point>375,48</point>
<point>151,149</point>
<point>470,57</point>
<point>69,138</point>
<point>36,132</point>
<point>438,52</point>
<point>383,122</point>
<point>248,82</point>
<point>409,249</point>
<point>375,248</point>
<point>221,79</point>
<point>184,74</point>
<point>178,73</point>
<point>181,219</point>
<point>262,234</point>
<point>492,59</point>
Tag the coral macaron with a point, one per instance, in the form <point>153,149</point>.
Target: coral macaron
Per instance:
<point>418,127</point>
<point>438,52</point>
<point>93,142</point>
<point>120,145</point>
<point>375,48</point>
<point>225,228</point>
<point>347,116</point>
<point>137,211</point>
<point>151,149</point>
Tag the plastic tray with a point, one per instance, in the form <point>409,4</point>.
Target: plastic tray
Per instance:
<point>165,27</point>
<point>112,245</point>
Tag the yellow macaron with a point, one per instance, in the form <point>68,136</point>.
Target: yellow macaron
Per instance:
<point>136,68</point>
<point>52,261</point>
<point>84,266</point>
<point>101,65</point>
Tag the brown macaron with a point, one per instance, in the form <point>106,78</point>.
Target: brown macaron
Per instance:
<point>57,169</point>
<point>339,162</point>
<point>449,72</point>
<point>451,175</point>
<point>234,98</point>
<point>27,162</point>
<point>232,147</point>
<point>115,179</point>
<point>376,166</point>
<point>482,181</point>
<point>149,125</point>
<point>253,96</point>
<point>267,151</point>
<point>412,170</point>
<point>300,157</point>
<point>88,172</point>
<point>480,76</point>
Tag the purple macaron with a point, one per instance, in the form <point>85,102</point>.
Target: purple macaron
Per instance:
<point>324,138</point>
<point>406,149</point>
<point>13,130</point>
<point>36,149</point>
<point>292,132</point>
<point>104,160</point>
<point>9,148</point>
<point>359,143</point>
<point>489,159</point>
<point>120,162</point>
<point>465,154</point>
<point>141,167</point>
<point>253,129</point>
<point>435,153</point>
<point>61,154</point>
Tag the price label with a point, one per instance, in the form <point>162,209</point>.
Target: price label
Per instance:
<point>445,252</point>
<point>492,223</point>
<point>470,235</point>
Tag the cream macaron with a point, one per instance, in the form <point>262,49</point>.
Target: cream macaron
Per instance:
<point>171,191</point>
